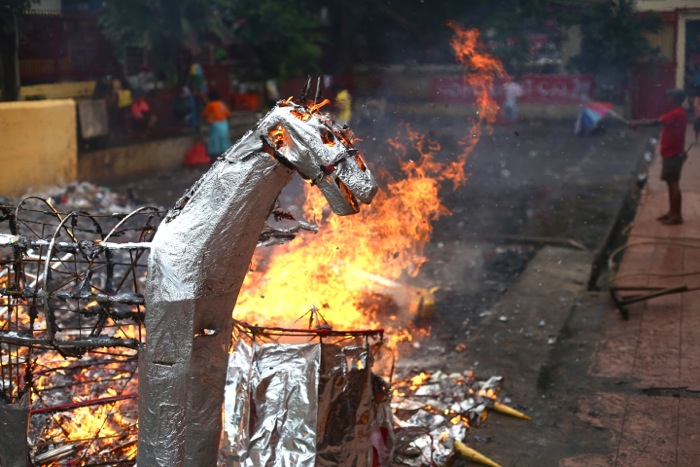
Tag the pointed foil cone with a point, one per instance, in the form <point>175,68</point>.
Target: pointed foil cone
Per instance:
<point>503,408</point>
<point>467,452</point>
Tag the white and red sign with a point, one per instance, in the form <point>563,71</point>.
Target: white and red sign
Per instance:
<point>538,89</point>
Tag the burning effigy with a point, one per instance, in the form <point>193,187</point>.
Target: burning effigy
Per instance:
<point>109,322</point>
<point>71,314</point>
<point>199,257</point>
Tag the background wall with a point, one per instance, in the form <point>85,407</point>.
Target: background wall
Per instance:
<point>38,145</point>
<point>149,158</point>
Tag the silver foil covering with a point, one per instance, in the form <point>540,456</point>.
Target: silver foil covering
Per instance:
<point>304,405</point>
<point>199,257</point>
<point>197,264</point>
<point>14,427</point>
<point>424,415</point>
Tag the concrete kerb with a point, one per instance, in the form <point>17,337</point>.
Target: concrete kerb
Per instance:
<point>516,338</point>
<point>615,235</point>
<point>546,294</point>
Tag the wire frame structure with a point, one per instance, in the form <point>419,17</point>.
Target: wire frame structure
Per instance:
<point>71,321</point>
<point>308,394</point>
<point>72,295</point>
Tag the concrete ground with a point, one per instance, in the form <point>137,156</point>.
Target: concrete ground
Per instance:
<point>602,390</point>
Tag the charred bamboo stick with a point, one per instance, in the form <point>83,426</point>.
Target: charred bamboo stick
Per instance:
<point>14,338</point>
<point>469,453</point>
<point>71,247</point>
<point>507,410</point>
<point>87,403</point>
<point>54,454</point>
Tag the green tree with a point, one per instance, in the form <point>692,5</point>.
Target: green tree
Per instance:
<point>286,36</point>
<point>164,28</point>
<point>614,37</point>
<point>510,29</point>
<point>415,31</point>
<point>11,12</point>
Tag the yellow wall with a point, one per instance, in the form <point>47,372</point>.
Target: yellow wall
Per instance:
<point>38,145</point>
<point>71,89</point>
<point>673,33</point>
<point>664,41</point>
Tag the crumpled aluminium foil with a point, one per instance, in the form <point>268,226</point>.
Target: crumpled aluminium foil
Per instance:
<point>427,434</point>
<point>304,405</point>
<point>14,426</point>
<point>197,264</point>
<point>199,257</point>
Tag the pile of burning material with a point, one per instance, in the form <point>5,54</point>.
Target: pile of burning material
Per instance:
<point>433,415</point>
<point>313,402</point>
<point>71,314</point>
<point>72,293</point>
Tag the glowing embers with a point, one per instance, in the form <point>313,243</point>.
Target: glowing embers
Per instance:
<point>85,409</point>
<point>327,137</point>
<point>279,137</point>
<point>309,111</point>
<point>68,290</point>
<point>349,196</point>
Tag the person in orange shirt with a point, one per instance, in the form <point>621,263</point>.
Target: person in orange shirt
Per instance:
<point>216,115</point>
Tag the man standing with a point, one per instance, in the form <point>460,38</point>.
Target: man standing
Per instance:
<point>512,91</point>
<point>672,150</point>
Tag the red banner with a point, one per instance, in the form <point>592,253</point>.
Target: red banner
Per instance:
<point>538,89</point>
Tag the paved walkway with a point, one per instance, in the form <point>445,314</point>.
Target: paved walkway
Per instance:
<point>657,422</point>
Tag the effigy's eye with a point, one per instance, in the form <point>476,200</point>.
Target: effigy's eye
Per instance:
<point>327,137</point>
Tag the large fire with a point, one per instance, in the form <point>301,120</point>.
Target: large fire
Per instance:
<point>335,271</point>
<point>369,253</point>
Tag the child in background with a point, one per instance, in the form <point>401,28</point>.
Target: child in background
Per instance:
<point>216,114</point>
<point>513,91</point>
<point>343,102</point>
<point>141,116</point>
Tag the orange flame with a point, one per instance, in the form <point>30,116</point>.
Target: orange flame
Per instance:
<point>480,73</point>
<point>352,260</point>
<point>347,263</point>
<point>418,380</point>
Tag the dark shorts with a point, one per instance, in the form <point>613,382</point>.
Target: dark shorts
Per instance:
<point>671,167</point>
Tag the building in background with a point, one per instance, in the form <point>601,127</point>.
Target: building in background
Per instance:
<point>60,41</point>
<point>679,39</point>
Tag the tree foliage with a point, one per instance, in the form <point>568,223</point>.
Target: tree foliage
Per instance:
<point>10,12</point>
<point>16,7</point>
<point>410,30</point>
<point>407,31</point>
<point>286,36</point>
<point>165,28</point>
<point>614,36</point>
<point>511,27</point>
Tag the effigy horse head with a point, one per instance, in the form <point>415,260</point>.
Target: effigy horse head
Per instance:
<point>309,141</point>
